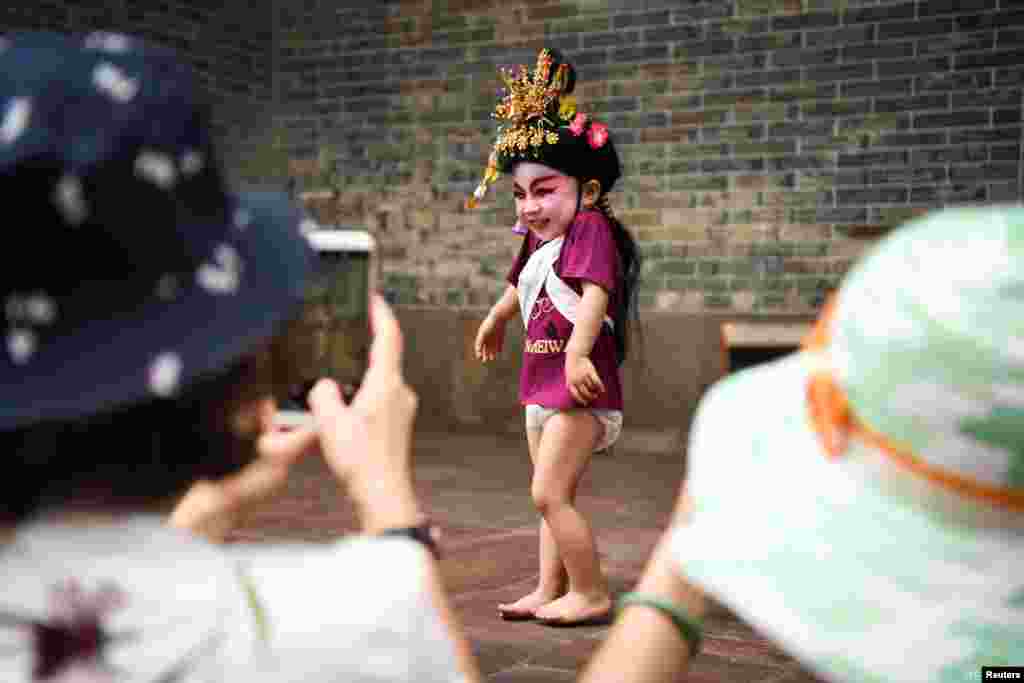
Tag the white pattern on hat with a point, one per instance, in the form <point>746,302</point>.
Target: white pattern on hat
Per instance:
<point>19,110</point>
<point>67,195</point>
<point>223,275</point>
<point>165,374</point>
<point>157,168</point>
<point>41,309</point>
<point>191,162</point>
<point>242,218</point>
<point>167,287</point>
<point>107,41</point>
<point>21,344</point>
<point>112,81</point>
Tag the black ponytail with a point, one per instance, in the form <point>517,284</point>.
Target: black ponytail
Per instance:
<point>627,303</point>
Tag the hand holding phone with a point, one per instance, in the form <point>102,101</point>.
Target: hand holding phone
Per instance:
<point>331,338</point>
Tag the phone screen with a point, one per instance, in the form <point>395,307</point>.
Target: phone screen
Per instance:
<point>331,336</point>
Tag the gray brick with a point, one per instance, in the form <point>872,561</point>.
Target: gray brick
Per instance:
<point>984,135</point>
<point>801,128</point>
<point>769,42</point>
<point>649,53</point>
<point>839,37</point>
<point>1003,97</point>
<point>1011,153</point>
<point>731,165</point>
<point>950,155</point>
<point>989,60</point>
<point>985,172</point>
<point>1010,37</point>
<point>923,102</point>
<point>873,159</point>
<point>703,49</point>
<point>884,13</point>
<point>736,62</point>
<point>845,72</point>
<point>975,80</point>
<point>683,33</point>
<point>792,163</point>
<point>933,7</point>
<point>857,53</point>
<point>772,77</point>
<point>1009,77</point>
<point>913,139</point>
<point>610,38</point>
<point>659,18</point>
<point>952,43</point>
<point>911,175</point>
<point>956,194</point>
<point>953,119</point>
<point>801,56</point>
<point>1002,117</point>
<point>978,22</point>
<point>797,22</point>
<point>699,11</point>
<point>896,195</point>
<point>915,28</point>
<point>840,215</point>
<point>878,88</point>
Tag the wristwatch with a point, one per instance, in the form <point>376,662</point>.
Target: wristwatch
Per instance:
<point>427,533</point>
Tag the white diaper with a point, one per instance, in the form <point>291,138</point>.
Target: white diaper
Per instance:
<point>611,420</point>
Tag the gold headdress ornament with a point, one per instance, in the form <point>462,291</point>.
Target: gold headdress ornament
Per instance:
<point>527,119</point>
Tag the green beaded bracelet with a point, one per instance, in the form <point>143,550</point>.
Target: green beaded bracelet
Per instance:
<point>689,627</point>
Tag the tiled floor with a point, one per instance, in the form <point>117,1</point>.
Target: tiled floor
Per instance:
<point>476,487</point>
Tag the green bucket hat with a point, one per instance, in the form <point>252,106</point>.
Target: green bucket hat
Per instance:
<point>868,566</point>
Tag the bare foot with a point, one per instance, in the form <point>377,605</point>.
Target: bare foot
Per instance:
<point>526,606</point>
<point>576,609</point>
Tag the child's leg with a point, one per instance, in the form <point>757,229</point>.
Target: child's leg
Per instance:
<point>552,579</point>
<point>565,448</point>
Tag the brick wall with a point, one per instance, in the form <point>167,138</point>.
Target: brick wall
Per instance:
<point>229,42</point>
<point>766,142</point>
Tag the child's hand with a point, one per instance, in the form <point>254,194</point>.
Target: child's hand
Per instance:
<point>581,379</point>
<point>490,339</point>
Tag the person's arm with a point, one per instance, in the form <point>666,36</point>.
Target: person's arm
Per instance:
<point>507,306</point>
<point>490,337</point>
<point>580,375</point>
<point>645,645</point>
<point>368,446</point>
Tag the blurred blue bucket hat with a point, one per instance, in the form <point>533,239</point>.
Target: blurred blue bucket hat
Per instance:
<point>128,270</point>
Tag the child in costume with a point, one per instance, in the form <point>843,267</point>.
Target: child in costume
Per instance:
<point>574,283</point>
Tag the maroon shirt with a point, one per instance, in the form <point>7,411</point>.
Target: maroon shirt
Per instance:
<point>588,253</point>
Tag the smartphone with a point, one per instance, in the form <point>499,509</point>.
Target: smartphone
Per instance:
<point>331,336</point>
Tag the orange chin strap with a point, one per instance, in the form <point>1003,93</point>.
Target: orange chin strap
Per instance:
<point>835,422</point>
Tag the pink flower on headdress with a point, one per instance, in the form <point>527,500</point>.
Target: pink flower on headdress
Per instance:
<point>578,123</point>
<point>597,135</point>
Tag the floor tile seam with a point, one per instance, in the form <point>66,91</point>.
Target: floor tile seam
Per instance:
<point>463,544</point>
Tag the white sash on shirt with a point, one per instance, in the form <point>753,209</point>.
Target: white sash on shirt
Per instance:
<point>539,273</point>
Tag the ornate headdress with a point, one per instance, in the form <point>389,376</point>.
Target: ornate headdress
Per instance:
<point>539,121</point>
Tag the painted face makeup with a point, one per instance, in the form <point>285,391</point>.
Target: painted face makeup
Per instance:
<point>545,199</point>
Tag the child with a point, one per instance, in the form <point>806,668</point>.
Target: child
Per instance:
<point>574,282</point>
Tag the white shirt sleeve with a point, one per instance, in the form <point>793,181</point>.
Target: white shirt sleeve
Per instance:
<point>356,611</point>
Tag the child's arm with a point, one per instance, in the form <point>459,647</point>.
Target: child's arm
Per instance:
<point>507,306</point>
<point>490,337</point>
<point>580,375</point>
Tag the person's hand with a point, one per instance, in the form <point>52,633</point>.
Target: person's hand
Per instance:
<point>213,508</point>
<point>581,379</point>
<point>490,338</point>
<point>367,444</point>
